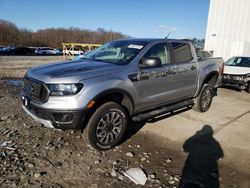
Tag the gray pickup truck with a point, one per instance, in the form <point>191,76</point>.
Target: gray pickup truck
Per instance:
<point>123,80</point>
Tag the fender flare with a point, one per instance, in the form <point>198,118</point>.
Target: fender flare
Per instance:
<point>127,101</point>
<point>210,75</point>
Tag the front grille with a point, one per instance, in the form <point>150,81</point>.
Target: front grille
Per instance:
<point>233,77</point>
<point>35,90</point>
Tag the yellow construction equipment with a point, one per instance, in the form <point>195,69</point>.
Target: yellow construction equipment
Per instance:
<point>72,49</point>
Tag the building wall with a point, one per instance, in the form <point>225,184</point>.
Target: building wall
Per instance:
<point>228,28</point>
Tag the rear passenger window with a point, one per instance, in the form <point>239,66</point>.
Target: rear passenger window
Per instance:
<point>161,51</point>
<point>181,52</point>
<point>206,55</point>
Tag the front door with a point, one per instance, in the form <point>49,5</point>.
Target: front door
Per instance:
<point>156,85</point>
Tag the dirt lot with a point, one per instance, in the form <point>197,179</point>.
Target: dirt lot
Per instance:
<point>169,149</point>
<point>16,66</point>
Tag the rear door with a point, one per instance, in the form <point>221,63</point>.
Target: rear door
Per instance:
<point>186,69</point>
<point>157,85</point>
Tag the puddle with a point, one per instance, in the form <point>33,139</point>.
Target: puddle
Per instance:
<point>12,82</point>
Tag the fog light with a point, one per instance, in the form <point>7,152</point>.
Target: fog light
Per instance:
<point>63,117</point>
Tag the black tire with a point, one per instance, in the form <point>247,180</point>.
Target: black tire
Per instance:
<point>109,120</point>
<point>203,102</point>
<point>248,87</point>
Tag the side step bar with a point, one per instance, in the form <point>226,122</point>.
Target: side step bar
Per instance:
<point>163,110</point>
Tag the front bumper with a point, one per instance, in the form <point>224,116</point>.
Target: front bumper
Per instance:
<point>59,119</point>
<point>234,83</point>
<point>46,123</point>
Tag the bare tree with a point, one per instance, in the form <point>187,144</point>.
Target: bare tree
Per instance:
<point>10,34</point>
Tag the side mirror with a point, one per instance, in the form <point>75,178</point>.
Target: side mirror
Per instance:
<point>150,62</point>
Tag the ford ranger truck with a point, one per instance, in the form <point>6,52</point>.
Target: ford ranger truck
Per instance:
<point>123,80</point>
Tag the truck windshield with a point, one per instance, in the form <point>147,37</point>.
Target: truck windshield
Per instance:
<point>238,61</point>
<point>117,52</point>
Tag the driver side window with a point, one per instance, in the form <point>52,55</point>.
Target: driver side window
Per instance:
<point>161,51</point>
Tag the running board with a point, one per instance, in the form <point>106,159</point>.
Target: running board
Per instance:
<point>163,110</point>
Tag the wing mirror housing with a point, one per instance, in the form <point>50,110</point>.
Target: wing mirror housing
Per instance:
<point>150,62</point>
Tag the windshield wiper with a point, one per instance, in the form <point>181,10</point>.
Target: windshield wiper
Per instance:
<point>101,60</point>
<point>85,58</point>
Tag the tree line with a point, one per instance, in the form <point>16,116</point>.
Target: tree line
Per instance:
<point>11,35</point>
<point>198,43</point>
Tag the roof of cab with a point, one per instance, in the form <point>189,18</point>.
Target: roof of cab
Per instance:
<point>154,40</point>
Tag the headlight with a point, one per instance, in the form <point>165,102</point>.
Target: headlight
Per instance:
<point>64,89</point>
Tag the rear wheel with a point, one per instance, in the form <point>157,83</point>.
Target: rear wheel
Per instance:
<point>203,102</point>
<point>248,87</point>
<point>106,127</point>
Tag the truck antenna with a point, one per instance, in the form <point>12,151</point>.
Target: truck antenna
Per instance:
<point>169,33</point>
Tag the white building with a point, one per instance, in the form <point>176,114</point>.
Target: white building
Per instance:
<point>228,28</point>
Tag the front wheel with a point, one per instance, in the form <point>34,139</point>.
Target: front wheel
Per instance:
<point>203,102</point>
<point>106,127</point>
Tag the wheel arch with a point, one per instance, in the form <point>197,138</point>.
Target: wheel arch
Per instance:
<point>119,96</point>
<point>210,79</point>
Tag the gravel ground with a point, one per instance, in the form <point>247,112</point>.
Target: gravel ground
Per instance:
<point>42,157</point>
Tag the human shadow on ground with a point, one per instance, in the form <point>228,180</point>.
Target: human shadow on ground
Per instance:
<point>201,167</point>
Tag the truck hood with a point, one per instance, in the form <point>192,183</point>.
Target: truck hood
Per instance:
<point>236,70</point>
<point>72,71</point>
